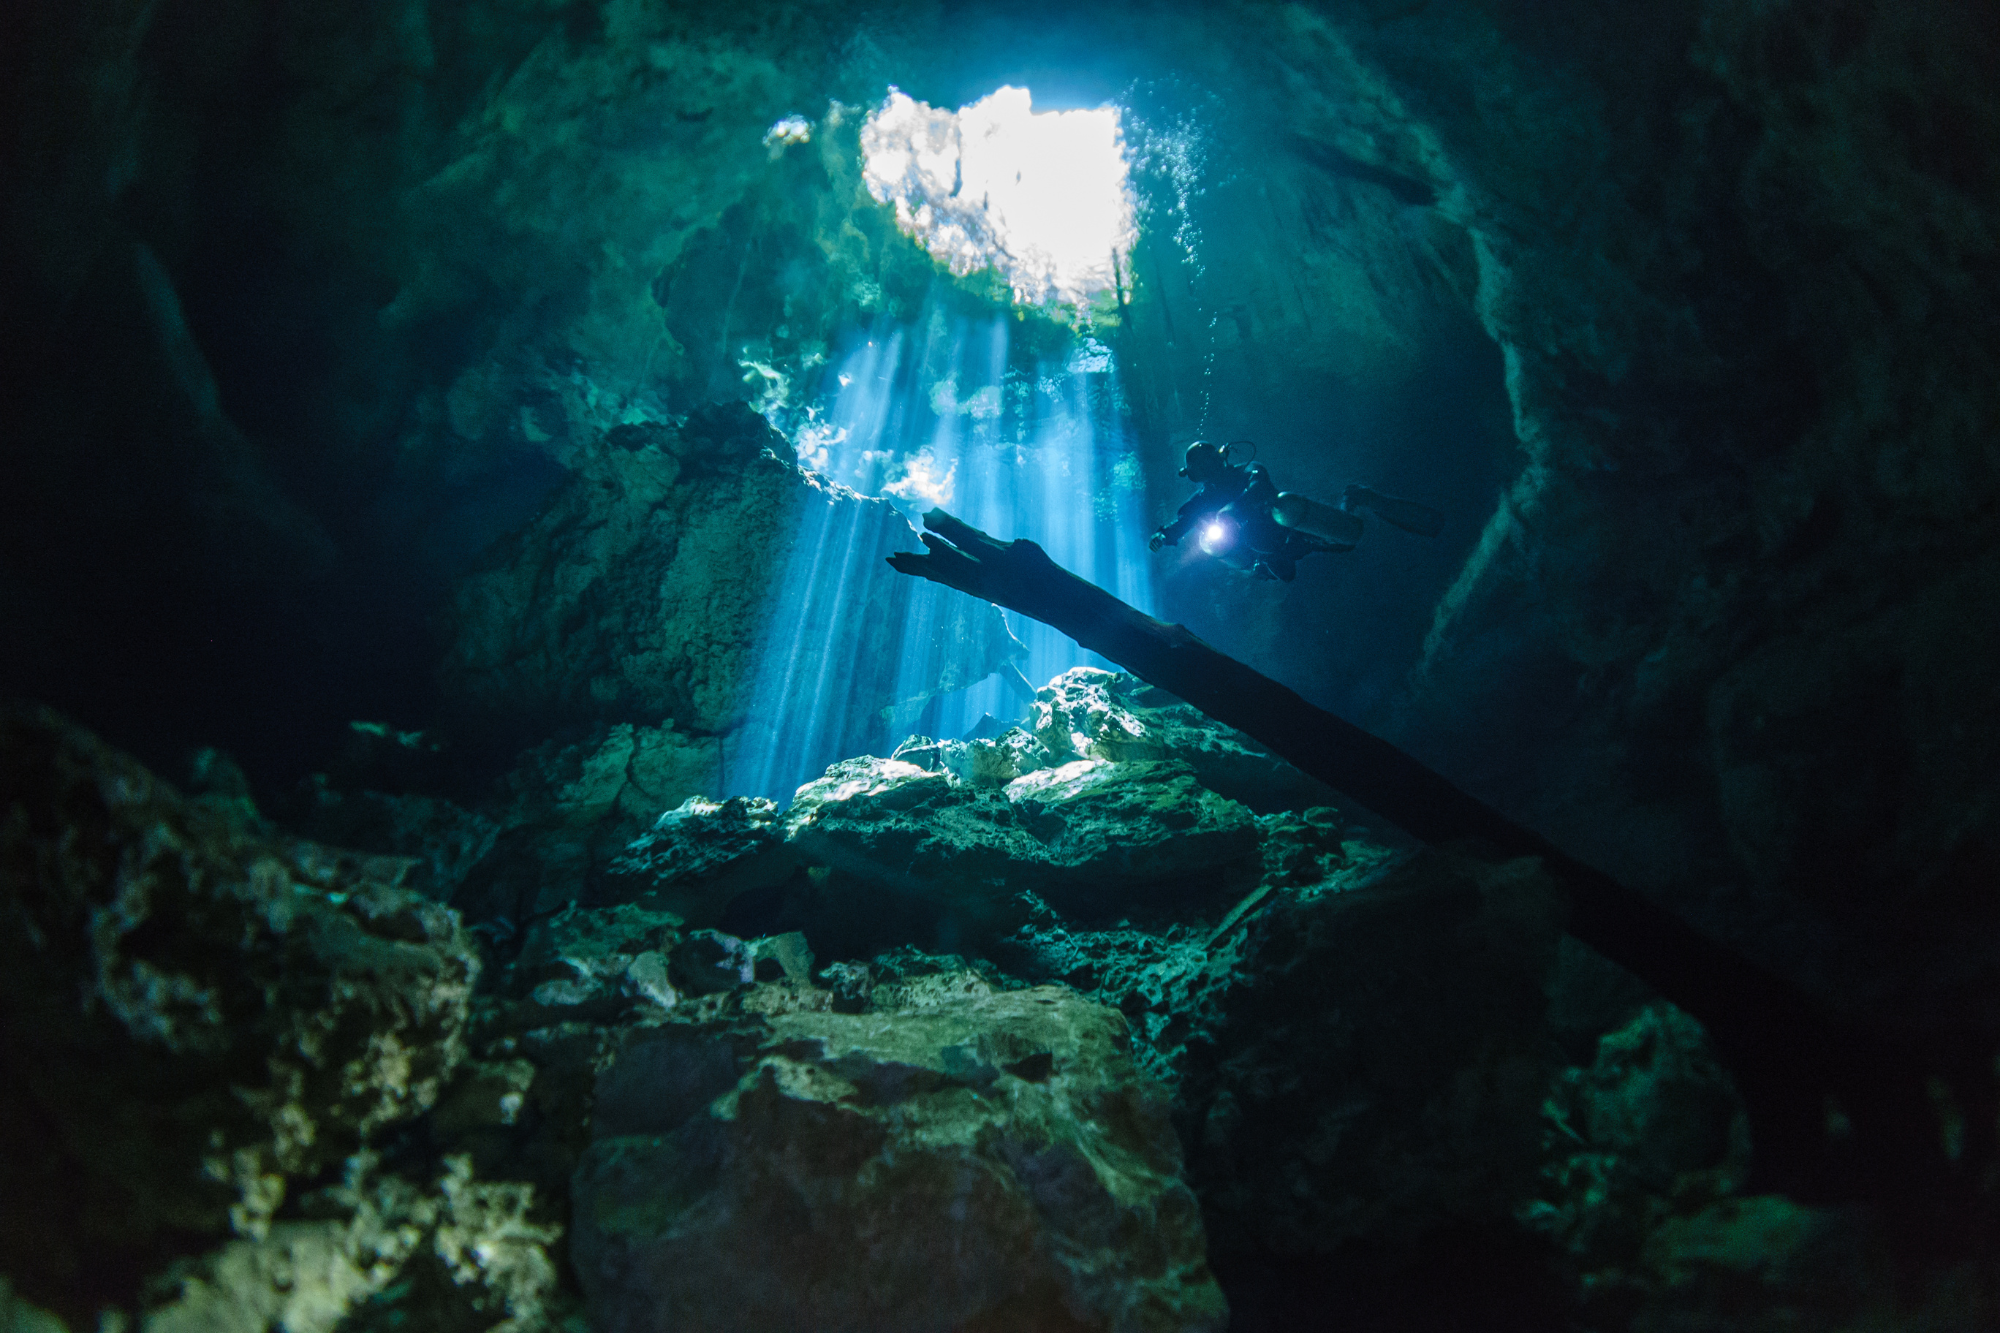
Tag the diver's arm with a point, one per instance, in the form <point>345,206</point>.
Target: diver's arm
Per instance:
<point>1196,508</point>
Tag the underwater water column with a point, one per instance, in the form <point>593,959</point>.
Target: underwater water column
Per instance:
<point>944,414</point>
<point>830,660</point>
<point>804,686</point>
<point>847,643</point>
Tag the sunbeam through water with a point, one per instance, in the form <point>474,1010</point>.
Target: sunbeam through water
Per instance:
<point>947,412</point>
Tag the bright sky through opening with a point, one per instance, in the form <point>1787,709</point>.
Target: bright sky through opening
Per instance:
<point>1043,198</point>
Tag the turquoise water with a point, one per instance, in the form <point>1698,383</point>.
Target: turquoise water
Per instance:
<point>945,411</point>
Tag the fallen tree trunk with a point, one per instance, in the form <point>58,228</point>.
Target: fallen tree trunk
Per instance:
<point>1802,1066</point>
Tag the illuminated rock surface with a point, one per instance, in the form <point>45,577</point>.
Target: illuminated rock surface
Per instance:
<point>203,1022</point>
<point>702,854</point>
<point>966,1157</point>
<point>639,594</point>
<point>959,842</point>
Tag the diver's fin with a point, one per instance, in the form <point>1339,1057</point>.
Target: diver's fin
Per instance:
<point>1408,515</point>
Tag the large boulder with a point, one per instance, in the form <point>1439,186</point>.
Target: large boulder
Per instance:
<point>1114,799</point>
<point>1356,1048</point>
<point>971,861</point>
<point>569,810</point>
<point>968,1158</point>
<point>702,854</point>
<point>1089,713</point>
<point>1646,1149</point>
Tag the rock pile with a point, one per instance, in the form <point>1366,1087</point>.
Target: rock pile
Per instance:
<point>213,1035</point>
<point>1104,999</point>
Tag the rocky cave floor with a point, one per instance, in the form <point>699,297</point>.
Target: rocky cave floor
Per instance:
<point>1081,1026</point>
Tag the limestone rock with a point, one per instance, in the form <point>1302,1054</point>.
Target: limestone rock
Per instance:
<point>709,962</point>
<point>555,1014</point>
<point>20,1316</point>
<point>785,957</point>
<point>1086,835</point>
<point>1769,1263</point>
<point>1304,848</point>
<point>1658,1097</point>
<point>985,762</point>
<point>851,985</point>
<point>607,607</point>
<point>198,1015</point>
<point>619,777</point>
<point>1652,1130</point>
<point>640,591</point>
<point>1383,1075</point>
<point>1646,1149</point>
<point>379,1253</point>
<point>887,825</point>
<point>1355,1058</point>
<point>1087,713</point>
<point>442,839</point>
<point>990,1160</point>
<point>594,965</point>
<point>1109,827</point>
<point>571,808</point>
<point>702,853</point>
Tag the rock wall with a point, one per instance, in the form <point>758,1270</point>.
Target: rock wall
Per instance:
<point>646,589</point>
<point>1725,634</point>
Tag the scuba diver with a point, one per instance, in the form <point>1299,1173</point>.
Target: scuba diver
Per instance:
<point>1246,522</point>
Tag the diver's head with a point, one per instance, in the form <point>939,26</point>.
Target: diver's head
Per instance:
<point>1205,462</point>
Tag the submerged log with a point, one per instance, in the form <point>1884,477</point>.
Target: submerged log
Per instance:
<point>1837,1110</point>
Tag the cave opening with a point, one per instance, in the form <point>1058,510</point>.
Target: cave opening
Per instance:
<point>1041,196</point>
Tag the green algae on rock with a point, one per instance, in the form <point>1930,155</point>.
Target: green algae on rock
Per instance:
<point>203,1019</point>
<point>377,1252</point>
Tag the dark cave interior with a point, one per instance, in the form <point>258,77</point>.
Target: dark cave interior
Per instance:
<point>408,411</point>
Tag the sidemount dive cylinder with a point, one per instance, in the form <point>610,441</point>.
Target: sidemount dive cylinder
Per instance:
<point>1418,519</point>
<point>1323,521</point>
